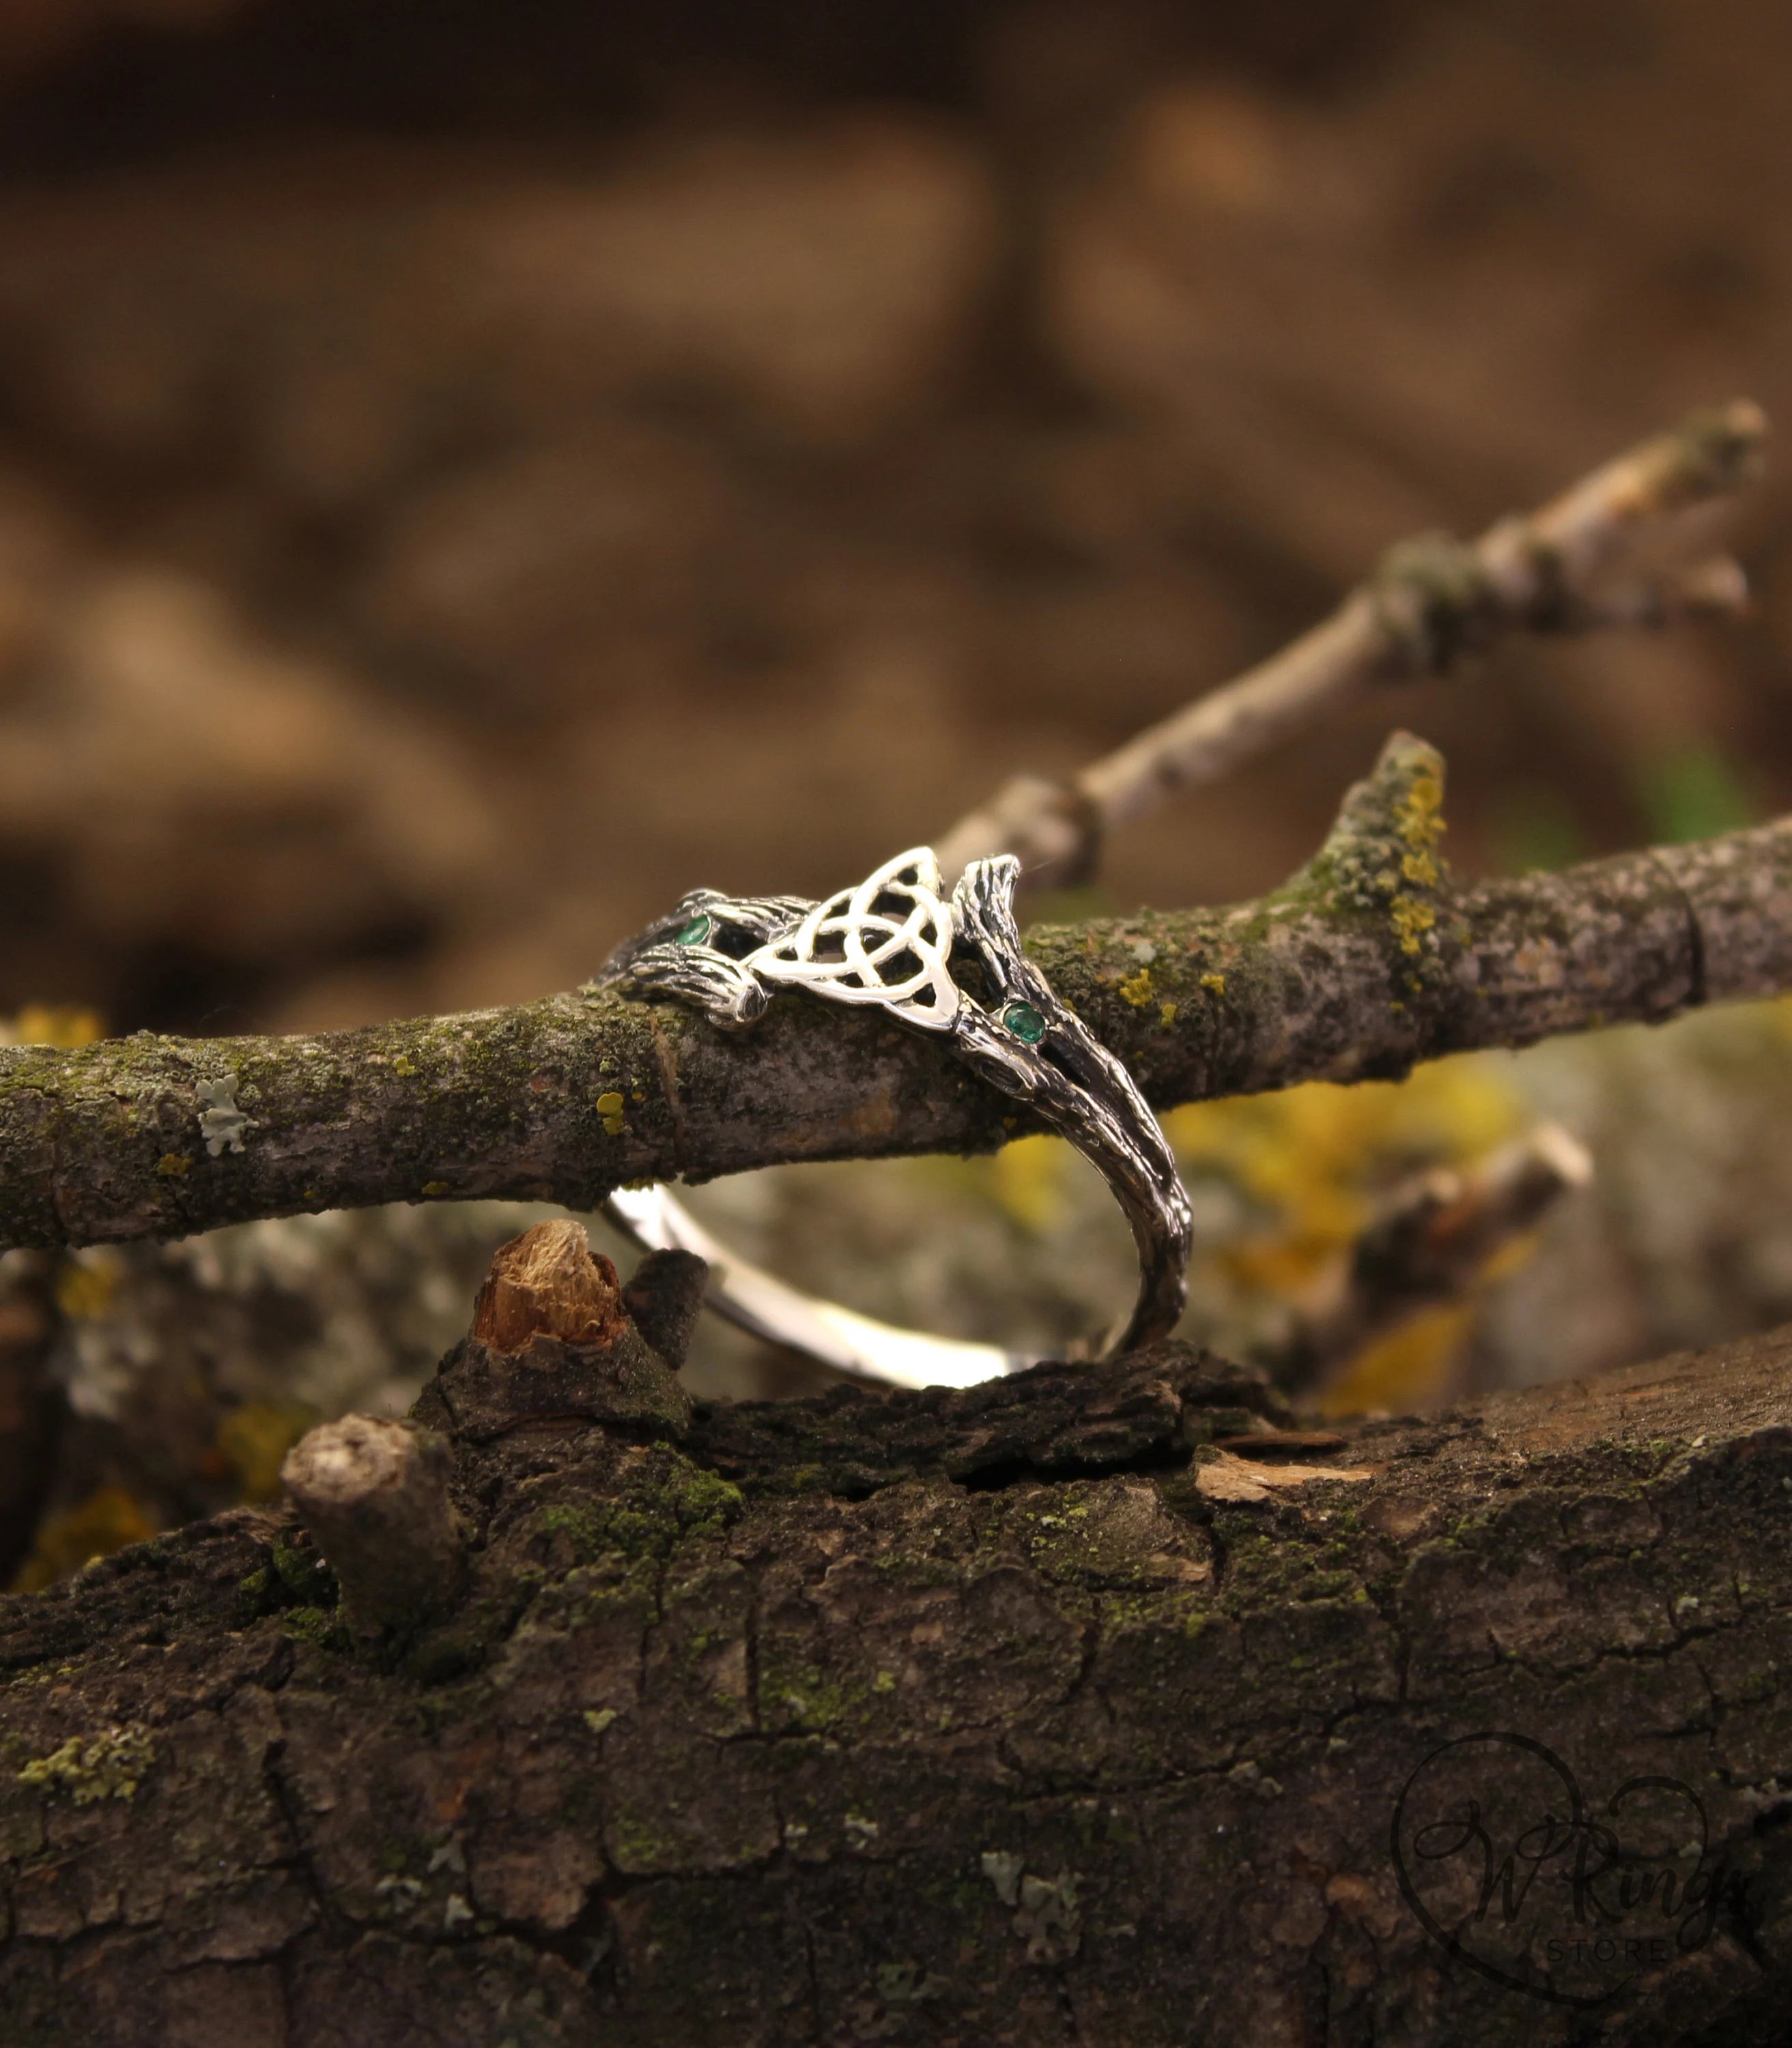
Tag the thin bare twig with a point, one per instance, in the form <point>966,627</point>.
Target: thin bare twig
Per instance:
<point>1432,1241</point>
<point>1628,545</point>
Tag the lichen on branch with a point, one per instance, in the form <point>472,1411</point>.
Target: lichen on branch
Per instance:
<point>1371,959</point>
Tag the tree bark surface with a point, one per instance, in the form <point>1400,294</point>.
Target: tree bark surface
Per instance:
<point>1092,1705</point>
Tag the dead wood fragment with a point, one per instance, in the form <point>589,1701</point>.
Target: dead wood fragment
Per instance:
<point>1279,1443</point>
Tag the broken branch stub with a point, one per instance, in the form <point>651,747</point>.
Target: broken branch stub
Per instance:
<point>375,1495</point>
<point>554,1339</point>
<point>663,1297</point>
<point>548,1283</point>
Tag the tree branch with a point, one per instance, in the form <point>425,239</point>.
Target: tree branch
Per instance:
<point>1077,1705</point>
<point>1623,547</point>
<point>1370,960</point>
<point>1432,1240</point>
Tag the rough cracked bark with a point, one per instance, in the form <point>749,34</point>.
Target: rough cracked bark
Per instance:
<point>1089,1705</point>
<point>1371,959</point>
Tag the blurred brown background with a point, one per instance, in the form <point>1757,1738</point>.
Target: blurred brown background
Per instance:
<point>469,473</point>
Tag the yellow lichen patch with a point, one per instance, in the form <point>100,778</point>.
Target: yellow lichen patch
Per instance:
<point>252,1441</point>
<point>610,1106</point>
<point>1312,1164</point>
<point>171,1165</point>
<point>435,1188</point>
<point>1412,920</point>
<point>1214,984</point>
<point>1420,815</point>
<point>105,1522</point>
<point>1406,1365</point>
<point>86,1282</point>
<point>403,1066</point>
<point>1029,1177</point>
<point>109,1765</point>
<point>1136,988</point>
<point>65,1026</point>
<point>1166,1014</point>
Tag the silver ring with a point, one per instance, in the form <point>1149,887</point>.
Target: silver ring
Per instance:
<point>894,943</point>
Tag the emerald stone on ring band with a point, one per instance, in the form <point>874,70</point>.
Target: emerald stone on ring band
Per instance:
<point>894,943</point>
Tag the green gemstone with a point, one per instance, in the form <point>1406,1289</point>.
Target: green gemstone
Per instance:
<point>694,932</point>
<point>1025,1021</point>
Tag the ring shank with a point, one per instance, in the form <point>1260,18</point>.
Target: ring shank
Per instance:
<point>753,1300</point>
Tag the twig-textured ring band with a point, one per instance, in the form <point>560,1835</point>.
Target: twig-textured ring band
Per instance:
<point>954,966</point>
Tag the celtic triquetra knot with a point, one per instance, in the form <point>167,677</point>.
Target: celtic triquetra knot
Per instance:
<point>887,941</point>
